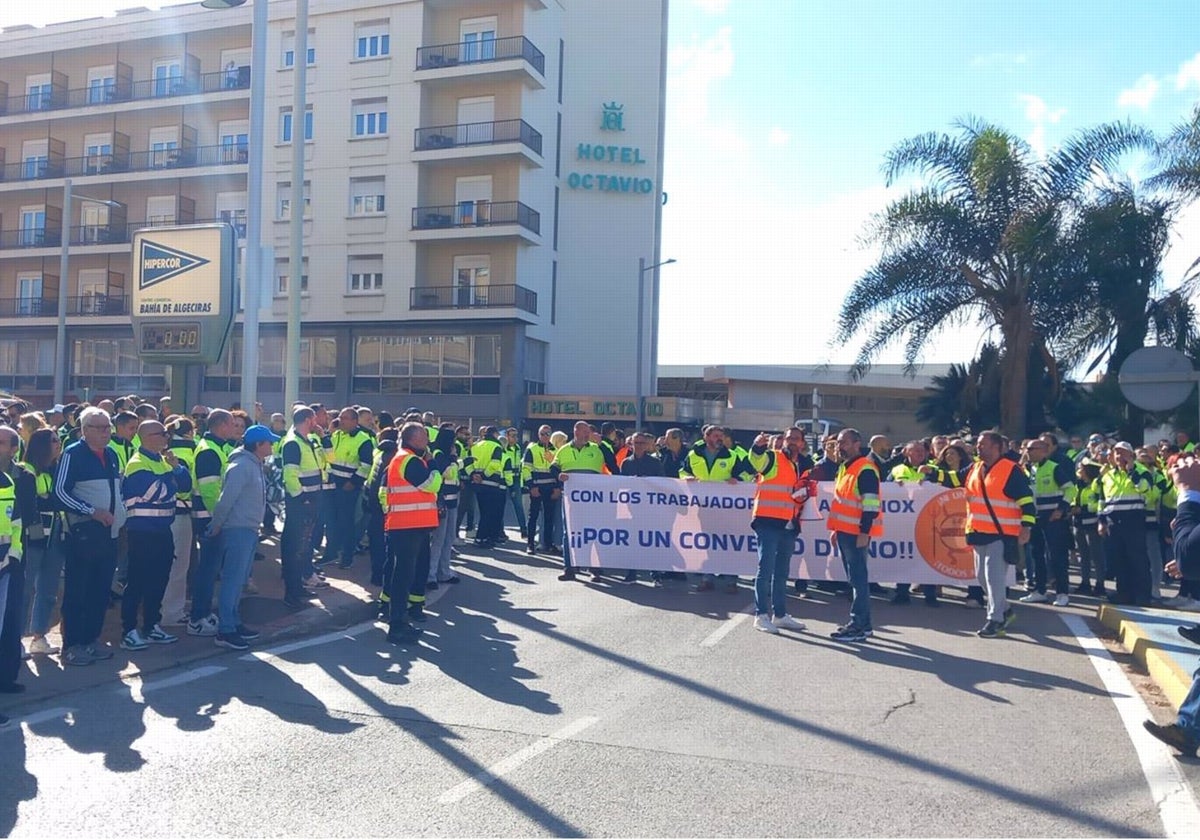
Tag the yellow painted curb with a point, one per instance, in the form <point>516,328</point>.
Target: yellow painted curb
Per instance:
<point>1167,674</point>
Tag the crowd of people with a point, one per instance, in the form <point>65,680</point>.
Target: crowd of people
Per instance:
<point>129,501</point>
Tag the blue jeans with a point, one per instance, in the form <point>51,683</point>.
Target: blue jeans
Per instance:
<point>775,546</point>
<point>43,570</point>
<point>341,539</point>
<point>514,498</point>
<point>237,553</point>
<point>1189,710</point>
<point>207,567</point>
<point>854,561</point>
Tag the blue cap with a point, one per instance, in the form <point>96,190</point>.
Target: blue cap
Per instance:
<point>256,434</point>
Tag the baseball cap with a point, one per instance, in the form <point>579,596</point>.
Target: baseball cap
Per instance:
<point>1126,445</point>
<point>58,408</point>
<point>256,434</point>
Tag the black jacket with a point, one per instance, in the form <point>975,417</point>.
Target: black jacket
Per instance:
<point>1187,539</point>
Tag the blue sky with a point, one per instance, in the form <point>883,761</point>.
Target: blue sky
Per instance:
<point>779,114</point>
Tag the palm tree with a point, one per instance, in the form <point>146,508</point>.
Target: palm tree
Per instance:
<point>976,244</point>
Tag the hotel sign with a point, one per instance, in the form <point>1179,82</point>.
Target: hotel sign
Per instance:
<point>612,119</point>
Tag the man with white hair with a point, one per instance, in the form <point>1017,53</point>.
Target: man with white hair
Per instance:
<point>88,486</point>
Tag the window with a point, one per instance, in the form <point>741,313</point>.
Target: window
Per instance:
<point>535,366</point>
<point>284,192</point>
<point>33,357</point>
<point>371,40</point>
<point>370,117</point>
<point>161,210</point>
<point>478,37</point>
<point>365,274</point>
<point>231,208</point>
<point>366,196</point>
<point>101,85</point>
<point>35,158</point>
<point>97,153</point>
<point>282,269</point>
<point>427,364</point>
<point>289,49</point>
<point>318,365</point>
<point>96,360</point>
<point>39,92</point>
<point>168,77</point>
<point>32,232</point>
<point>472,275</point>
<point>29,294</point>
<point>285,124</point>
<point>235,141</point>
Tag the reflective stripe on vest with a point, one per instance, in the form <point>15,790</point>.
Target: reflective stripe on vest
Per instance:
<point>407,506</point>
<point>773,496</point>
<point>846,510</point>
<point>1008,512</point>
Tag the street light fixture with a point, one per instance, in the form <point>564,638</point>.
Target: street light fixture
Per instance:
<point>641,360</point>
<point>252,259</point>
<point>64,277</point>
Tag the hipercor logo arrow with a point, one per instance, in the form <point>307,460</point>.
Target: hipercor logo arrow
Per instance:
<point>161,263</point>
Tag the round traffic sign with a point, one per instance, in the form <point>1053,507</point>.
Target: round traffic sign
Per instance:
<point>1156,378</point>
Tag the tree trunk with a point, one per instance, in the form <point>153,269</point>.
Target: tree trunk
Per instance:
<point>1014,373</point>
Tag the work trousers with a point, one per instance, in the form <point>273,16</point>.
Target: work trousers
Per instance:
<point>342,538</point>
<point>295,545</point>
<point>1051,540</point>
<point>491,513</point>
<point>151,554</point>
<point>43,572</point>
<point>174,600</point>
<point>404,550</point>
<point>514,499</point>
<point>90,561</point>
<point>992,573</point>
<point>11,620</point>
<point>466,506</point>
<point>1126,543</point>
<point>545,504</point>
<point>1091,555</point>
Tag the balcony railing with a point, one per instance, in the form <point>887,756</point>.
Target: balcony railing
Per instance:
<point>475,52</point>
<point>30,238</point>
<point>28,307</point>
<point>235,79</point>
<point>147,161</point>
<point>469,214</point>
<point>98,305</point>
<point>473,297</point>
<point>477,134</point>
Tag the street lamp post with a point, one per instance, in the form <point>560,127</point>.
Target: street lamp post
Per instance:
<point>252,259</point>
<point>64,273</point>
<point>641,307</point>
<point>291,379</point>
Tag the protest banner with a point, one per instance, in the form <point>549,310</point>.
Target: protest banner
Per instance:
<point>668,524</point>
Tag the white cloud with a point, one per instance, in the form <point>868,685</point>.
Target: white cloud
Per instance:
<point>1039,114</point>
<point>1143,92</point>
<point>778,137</point>
<point>712,7</point>
<point>1189,73</point>
<point>694,72</point>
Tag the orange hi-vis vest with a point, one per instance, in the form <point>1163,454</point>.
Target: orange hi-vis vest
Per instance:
<point>773,498</point>
<point>408,506</point>
<point>1008,512</point>
<point>846,510</point>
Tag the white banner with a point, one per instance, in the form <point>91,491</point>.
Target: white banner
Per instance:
<point>669,524</point>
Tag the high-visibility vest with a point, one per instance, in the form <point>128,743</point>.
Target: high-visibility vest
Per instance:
<point>846,510</point>
<point>185,451</point>
<point>535,467</point>
<point>318,442</point>
<point>1088,500</point>
<point>588,459</point>
<point>1047,492</point>
<point>1008,511</point>
<point>908,473</point>
<point>489,463</point>
<point>406,506</point>
<point>721,470</point>
<point>10,519</point>
<point>1122,492</point>
<point>124,451</point>
<point>157,502</point>
<point>344,462</point>
<point>773,497</point>
<point>301,480</point>
<point>209,484</point>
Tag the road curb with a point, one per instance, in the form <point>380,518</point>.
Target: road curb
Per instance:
<point>1164,670</point>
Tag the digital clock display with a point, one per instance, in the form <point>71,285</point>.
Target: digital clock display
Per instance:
<point>182,338</point>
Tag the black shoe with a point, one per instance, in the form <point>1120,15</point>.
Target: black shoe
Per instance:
<point>553,549</point>
<point>1083,589</point>
<point>630,577</point>
<point>345,564</point>
<point>452,579</point>
<point>991,630</point>
<point>246,633</point>
<point>404,634</point>
<point>876,589</point>
<point>531,549</point>
<point>416,613</point>
<point>1191,632</point>
<point>431,586</point>
<point>11,688</point>
<point>297,602</point>
<point>1172,736</point>
<point>567,575</point>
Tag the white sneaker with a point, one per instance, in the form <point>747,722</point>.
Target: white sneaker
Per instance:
<point>133,640</point>
<point>314,582</point>
<point>786,622</point>
<point>204,627</point>
<point>159,636</point>
<point>42,645</point>
<point>1035,598</point>
<point>763,623</point>
<point>1061,600</point>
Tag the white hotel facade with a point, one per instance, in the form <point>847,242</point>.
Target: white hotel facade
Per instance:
<point>482,179</point>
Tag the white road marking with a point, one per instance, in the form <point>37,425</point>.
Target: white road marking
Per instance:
<point>1177,807</point>
<point>713,638</point>
<point>138,687</point>
<point>507,765</point>
<point>39,717</point>
<point>280,650</point>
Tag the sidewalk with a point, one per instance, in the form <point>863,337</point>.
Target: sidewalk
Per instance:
<point>1150,635</point>
<point>346,601</point>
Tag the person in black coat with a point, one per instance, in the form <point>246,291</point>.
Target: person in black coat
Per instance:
<point>1184,734</point>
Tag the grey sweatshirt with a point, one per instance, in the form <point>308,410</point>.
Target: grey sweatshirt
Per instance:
<point>243,499</point>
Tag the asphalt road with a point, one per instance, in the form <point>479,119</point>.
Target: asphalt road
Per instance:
<point>534,707</point>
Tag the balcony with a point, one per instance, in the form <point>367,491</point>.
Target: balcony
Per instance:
<point>514,57</point>
<point>30,238</point>
<point>455,142</point>
<point>28,307</point>
<point>222,80</point>
<point>473,297</point>
<point>98,305</point>
<point>148,161</point>
<point>477,219</point>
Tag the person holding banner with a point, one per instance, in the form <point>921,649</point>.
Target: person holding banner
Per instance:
<point>580,455</point>
<point>711,460</point>
<point>1000,517</point>
<point>854,518</point>
<point>778,499</point>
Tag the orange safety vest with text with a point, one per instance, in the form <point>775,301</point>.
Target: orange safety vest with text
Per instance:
<point>846,510</point>
<point>1008,512</point>
<point>407,506</point>
<point>773,497</point>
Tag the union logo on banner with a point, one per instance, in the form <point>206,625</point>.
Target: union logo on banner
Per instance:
<point>160,263</point>
<point>941,535</point>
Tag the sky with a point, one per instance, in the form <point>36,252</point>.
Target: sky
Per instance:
<point>780,112</point>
